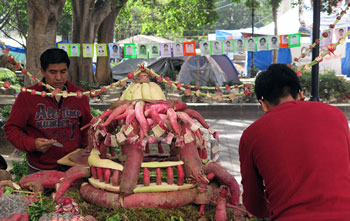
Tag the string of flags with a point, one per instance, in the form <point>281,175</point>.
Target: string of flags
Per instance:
<point>177,49</point>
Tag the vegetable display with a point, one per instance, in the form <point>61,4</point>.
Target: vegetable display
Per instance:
<point>163,156</point>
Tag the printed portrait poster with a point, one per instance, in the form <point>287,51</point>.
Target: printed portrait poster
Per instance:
<point>165,50</point>
<point>154,50</point>
<point>88,50</point>
<point>101,50</point>
<point>274,42</point>
<point>228,46</point>
<point>142,51</point>
<point>63,46</point>
<point>339,33</point>
<point>250,44</point>
<point>129,50</point>
<point>348,30</point>
<point>74,50</point>
<point>216,47</point>
<point>239,45</point>
<point>294,40</point>
<point>262,44</point>
<point>190,48</point>
<point>114,50</point>
<point>205,47</point>
<point>284,41</point>
<point>178,50</point>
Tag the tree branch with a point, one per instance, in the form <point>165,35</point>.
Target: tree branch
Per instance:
<point>10,37</point>
<point>100,13</point>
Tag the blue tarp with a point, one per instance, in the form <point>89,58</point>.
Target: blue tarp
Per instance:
<point>15,49</point>
<point>262,59</point>
<point>345,62</point>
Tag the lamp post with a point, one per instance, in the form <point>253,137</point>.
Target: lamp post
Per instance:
<point>315,51</point>
<point>252,52</point>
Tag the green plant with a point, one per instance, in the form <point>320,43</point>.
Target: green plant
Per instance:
<point>38,209</point>
<point>4,114</point>
<point>114,218</point>
<point>332,89</point>
<point>19,168</point>
<point>95,112</point>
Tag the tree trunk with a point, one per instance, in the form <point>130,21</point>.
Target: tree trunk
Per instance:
<point>43,18</point>
<point>275,52</point>
<point>87,18</point>
<point>105,35</point>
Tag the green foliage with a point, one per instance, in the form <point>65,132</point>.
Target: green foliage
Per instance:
<point>165,18</point>
<point>64,26</point>
<point>5,112</point>
<point>114,218</point>
<point>20,168</point>
<point>233,14</point>
<point>332,89</point>
<point>38,209</point>
<point>95,112</point>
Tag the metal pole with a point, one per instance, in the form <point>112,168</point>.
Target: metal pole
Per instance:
<point>315,51</point>
<point>252,53</point>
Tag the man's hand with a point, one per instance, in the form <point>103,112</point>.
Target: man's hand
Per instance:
<point>43,144</point>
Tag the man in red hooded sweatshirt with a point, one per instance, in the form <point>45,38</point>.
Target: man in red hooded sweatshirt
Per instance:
<point>48,128</point>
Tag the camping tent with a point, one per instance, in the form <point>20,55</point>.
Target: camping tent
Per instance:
<point>161,66</point>
<point>203,69</point>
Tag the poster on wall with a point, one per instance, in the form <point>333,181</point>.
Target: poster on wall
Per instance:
<point>129,50</point>
<point>228,46</point>
<point>262,43</point>
<point>101,50</point>
<point>215,47</point>
<point>88,50</point>
<point>274,43</point>
<point>178,50</point>
<point>189,48</point>
<point>74,50</point>
<point>63,46</point>
<point>114,50</point>
<point>165,50</point>
<point>205,47</point>
<point>142,51</point>
<point>250,44</point>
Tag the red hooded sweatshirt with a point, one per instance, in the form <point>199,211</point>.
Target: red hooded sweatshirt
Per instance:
<point>34,116</point>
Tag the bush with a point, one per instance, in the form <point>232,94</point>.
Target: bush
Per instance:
<point>332,89</point>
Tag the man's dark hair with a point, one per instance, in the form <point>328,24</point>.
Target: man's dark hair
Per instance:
<point>276,82</point>
<point>53,56</point>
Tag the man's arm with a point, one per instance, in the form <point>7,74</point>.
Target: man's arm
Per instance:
<point>16,125</point>
<point>253,188</point>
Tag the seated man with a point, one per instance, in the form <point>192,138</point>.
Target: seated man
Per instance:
<point>36,123</point>
<point>295,160</point>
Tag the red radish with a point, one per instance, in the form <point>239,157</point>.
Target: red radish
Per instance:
<point>71,175</point>
<point>93,172</point>
<point>107,174</point>
<point>47,178</point>
<point>141,118</point>
<point>170,175</point>
<point>180,175</point>
<point>160,108</point>
<point>173,120</point>
<point>226,178</point>
<point>131,169</point>
<point>156,118</point>
<point>116,112</point>
<point>172,199</point>
<point>221,213</point>
<point>130,117</point>
<point>159,176</point>
<point>146,177</point>
<point>115,178</point>
<point>160,148</point>
<point>197,116</point>
<point>100,174</point>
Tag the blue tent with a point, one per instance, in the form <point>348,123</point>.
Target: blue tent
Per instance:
<point>262,59</point>
<point>17,53</point>
<point>345,62</point>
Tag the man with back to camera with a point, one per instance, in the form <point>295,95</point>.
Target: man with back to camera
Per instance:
<point>37,123</point>
<point>295,159</point>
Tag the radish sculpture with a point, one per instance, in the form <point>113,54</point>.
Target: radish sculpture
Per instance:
<point>147,151</point>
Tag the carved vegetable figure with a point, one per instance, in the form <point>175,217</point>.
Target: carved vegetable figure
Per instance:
<point>163,158</point>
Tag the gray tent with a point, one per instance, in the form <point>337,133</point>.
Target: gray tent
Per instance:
<point>161,66</point>
<point>202,69</point>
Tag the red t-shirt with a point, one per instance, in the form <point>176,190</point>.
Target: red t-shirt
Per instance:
<point>34,116</point>
<point>295,163</point>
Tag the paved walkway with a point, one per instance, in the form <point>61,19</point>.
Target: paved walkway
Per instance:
<point>230,131</point>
